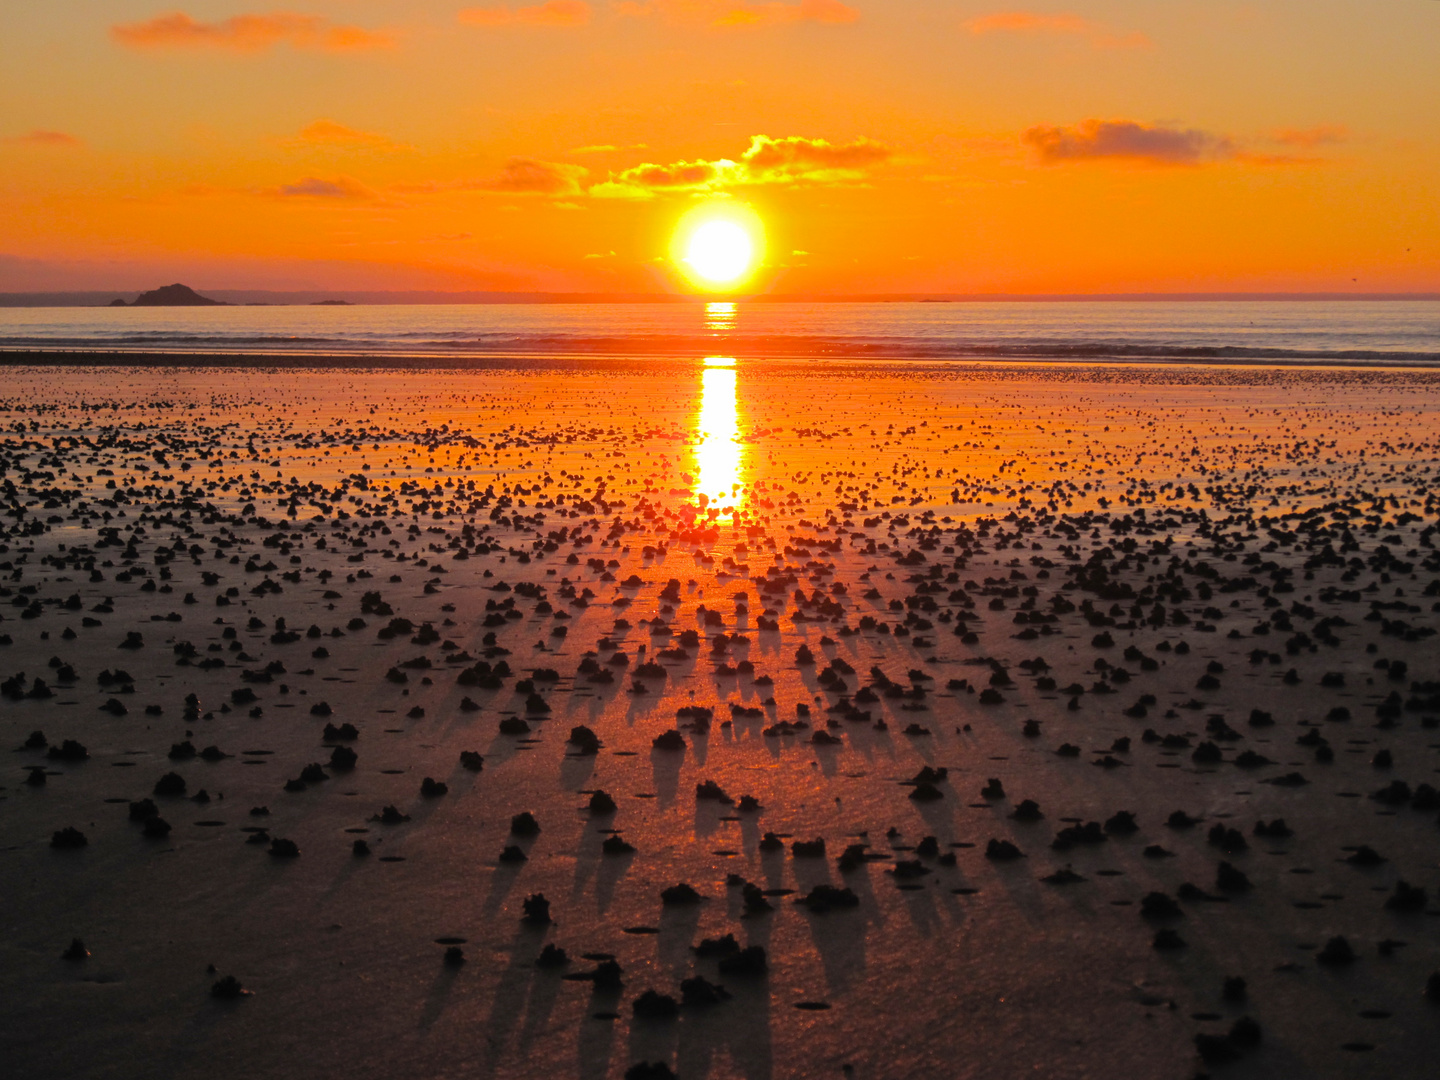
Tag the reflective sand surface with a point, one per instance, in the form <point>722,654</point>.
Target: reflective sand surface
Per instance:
<point>1092,585</point>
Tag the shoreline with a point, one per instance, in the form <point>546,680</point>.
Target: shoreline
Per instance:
<point>511,360</point>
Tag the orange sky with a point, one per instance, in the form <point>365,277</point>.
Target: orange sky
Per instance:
<point>888,145</point>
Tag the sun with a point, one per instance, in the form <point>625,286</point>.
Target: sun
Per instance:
<point>718,248</point>
<point>720,251</point>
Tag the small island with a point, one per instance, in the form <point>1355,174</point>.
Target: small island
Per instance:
<point>171,296</point>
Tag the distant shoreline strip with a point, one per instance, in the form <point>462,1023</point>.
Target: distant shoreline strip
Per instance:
<point>1140,356</point>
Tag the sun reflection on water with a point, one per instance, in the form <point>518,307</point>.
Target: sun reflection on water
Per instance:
<point>718,454</point>
<point>720,316</point>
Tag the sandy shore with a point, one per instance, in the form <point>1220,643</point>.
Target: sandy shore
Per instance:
<point>1168,605</point>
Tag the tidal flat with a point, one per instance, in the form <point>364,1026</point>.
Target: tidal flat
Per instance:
<point>871,720</point>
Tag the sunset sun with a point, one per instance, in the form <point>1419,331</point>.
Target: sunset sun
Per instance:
<point>718,248</point>
<point>720,251</point>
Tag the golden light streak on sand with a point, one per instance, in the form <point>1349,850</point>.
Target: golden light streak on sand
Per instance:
<point>719,456</point>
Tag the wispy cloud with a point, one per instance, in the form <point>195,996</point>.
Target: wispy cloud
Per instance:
<point>737,14</point>
<point>247,34</point>
<point>328,133</point>
<point>1309,138</point>
<point>58,139</point>
<point>1036,24</point>
<point>1126,141</point>
<point>517,176</point>
<point>606,148</point>
<point>550,13</point>
<point>340,188</point>
<point>530,176</point>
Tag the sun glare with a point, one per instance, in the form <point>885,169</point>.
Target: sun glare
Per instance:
<point>718,248</point>
<point>720,251</point>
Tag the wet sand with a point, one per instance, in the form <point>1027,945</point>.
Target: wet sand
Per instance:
<point>1169,605</point>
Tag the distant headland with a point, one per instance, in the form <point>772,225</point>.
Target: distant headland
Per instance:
<point>178,295</point>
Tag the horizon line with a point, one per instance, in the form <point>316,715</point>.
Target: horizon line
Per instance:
<point>432,297</point>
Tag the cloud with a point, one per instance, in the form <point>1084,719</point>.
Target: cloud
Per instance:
<point>1032,23</point>
<point>1309,138</point>
<point>791,160</point>
<point>1126,140</point>
<point>680,176</point>
<point>733,14</point>
<point>606,148</point>
<point>1025,22</point>
<point>330,133</point>
<point>527,176</point>
<point>830,12</point>
<point>550,13</point>
<point>247,34</point>
<point>1277,160</point>
<point>799,158</point>
<point>340,188</point>
<point>44,138</point>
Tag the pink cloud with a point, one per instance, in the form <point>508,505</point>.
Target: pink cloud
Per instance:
<point>1126,140</point>
<point>247,34</point>
<point>341,188</point>
<point>550,13</point>
<point>1032,23</point>
<point>1025,22</point>
<point>734,14</point>
<point>330,133</point>
<point>38,137</point>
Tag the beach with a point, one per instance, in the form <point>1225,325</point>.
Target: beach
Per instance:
<point>889,603</point>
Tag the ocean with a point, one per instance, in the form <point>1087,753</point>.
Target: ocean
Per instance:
<point>1350,332</point>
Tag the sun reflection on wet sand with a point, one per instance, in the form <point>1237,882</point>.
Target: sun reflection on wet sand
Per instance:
<point>718,455</point>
